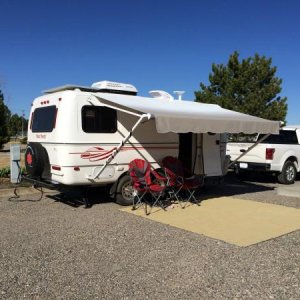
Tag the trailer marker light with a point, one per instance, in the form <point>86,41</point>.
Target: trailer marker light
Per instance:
<point>76,169</point>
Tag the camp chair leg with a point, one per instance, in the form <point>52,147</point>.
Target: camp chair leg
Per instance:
<point>179,198</point>
<point>191,197</point>
<point>139,200</point>
<point>173,195</point>
<point>134,204</point>
<point>157,200</point>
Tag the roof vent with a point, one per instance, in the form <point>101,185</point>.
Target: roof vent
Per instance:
<point>115,87</point>
<point>161,95</point>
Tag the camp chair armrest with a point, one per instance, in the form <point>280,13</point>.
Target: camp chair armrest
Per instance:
<point>180,179</point>
<point>195,179</point>
<point>158,176</point>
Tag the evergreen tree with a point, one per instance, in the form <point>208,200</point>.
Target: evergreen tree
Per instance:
<point>248,86</point>
<point>14,125</point>
<point>4,118</point>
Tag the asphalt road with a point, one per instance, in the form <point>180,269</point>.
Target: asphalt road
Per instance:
<point>53,250</point>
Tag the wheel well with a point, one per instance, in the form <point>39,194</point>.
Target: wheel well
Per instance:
<point>113,188</point>
<point>294,160</point>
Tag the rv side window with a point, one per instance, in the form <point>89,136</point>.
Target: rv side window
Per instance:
<point>44,119</point>
<point>99,119</point>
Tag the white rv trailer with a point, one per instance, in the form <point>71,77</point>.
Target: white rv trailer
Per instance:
<point>83,136</point>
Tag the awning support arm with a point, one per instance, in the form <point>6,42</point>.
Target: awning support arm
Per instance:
<point>122,143</point>
<point>249,149</point>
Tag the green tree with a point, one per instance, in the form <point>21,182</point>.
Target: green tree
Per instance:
<point>248,86</point>
<point>4,117</point>
<point>16,125</point>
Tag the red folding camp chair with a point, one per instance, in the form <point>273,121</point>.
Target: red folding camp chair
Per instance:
<point>181,181</point>
<point>146,182</point>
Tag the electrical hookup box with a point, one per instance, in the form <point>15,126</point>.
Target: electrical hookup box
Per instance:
<point>15,162</point>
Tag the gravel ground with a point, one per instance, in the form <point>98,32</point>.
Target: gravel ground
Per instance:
<point>52,250</point>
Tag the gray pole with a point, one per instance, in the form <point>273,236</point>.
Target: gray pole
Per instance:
<point>22,123</point>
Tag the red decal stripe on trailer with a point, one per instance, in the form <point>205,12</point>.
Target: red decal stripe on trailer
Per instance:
<point>98,153</point>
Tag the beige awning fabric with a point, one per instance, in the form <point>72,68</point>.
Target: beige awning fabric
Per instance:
<point>188,116</point>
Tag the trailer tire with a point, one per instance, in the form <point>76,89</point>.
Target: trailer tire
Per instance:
<point>124,195</point>
<point>288,173</point>
<point>35,156</point>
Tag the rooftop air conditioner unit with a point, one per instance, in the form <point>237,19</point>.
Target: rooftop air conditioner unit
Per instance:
<point>115,87</point>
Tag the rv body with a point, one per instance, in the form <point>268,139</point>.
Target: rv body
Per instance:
<point>78,136</point>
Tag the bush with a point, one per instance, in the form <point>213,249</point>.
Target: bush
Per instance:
<point>5,172</point>
<point>3,140</point>
<point>23,141</point>
<point>23,171</point>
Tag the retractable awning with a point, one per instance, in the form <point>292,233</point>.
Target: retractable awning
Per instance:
<point>187,116</point>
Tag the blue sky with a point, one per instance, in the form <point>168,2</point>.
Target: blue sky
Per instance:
<point>168,45</point>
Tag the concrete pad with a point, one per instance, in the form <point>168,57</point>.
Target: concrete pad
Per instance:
<point>235,221</point>
<point>292,190</point>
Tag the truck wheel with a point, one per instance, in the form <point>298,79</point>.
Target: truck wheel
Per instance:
<point>125,191</point>
<point>288,174</point>
<point>34,159</point>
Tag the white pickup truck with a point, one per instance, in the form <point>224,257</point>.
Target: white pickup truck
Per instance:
<point>279,154</point>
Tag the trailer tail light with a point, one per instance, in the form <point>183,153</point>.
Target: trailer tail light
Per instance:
<point>270,153</point>
<point>56,168</point>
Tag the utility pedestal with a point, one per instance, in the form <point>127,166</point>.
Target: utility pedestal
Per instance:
<point>15,164</point>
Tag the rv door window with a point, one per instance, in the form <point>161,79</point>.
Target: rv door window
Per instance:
<point>99,119</point>
<point>44,119</point>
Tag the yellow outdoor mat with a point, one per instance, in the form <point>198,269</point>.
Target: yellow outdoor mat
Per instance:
<point>235,221</point>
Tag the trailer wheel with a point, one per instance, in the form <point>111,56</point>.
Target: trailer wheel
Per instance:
<point>125,191</point>
<point>35,156</point>
<point>288,173</point>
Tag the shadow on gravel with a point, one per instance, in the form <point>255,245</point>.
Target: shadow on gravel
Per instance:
<point>233,186</point>
<point>230,187</point>
<point>75,197</point>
